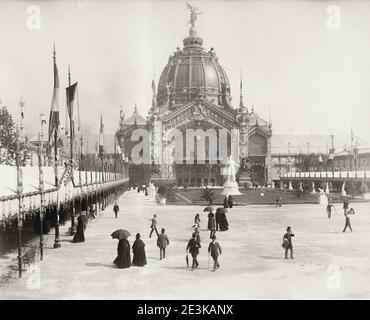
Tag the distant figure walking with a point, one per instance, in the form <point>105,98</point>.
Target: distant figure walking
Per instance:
<point>278,200</point>
<point>226,202</point>
<point>224,224</point>
<point>138,250</point>
<point>196,221</point>
<point>116,209</point>
<point>348,222</point>
<point>162,243</point>
<point>218,219</point>
<point>328,208</point>
<point>345,206</point>
<point>80,235</point>
<point>153,226</point>
<point>230,202</point>
<point>214,249</point>
<point>123,259</point>
<point>287,242</point>
<point>193,247</point>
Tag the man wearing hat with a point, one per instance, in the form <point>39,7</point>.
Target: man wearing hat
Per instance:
<point>153,226</point>
<point>287,242</point>
<point>193,247</point>
<point>214,249</point>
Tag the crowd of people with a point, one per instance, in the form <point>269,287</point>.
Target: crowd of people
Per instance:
<point>217,221</point>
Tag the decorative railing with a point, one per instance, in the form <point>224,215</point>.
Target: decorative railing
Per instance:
<point>334,175</point>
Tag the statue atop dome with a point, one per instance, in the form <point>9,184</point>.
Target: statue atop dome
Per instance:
<point>194,12</point>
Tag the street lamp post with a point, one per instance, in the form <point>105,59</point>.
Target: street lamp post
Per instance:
<point>19,193</point>
<point>41,187</point>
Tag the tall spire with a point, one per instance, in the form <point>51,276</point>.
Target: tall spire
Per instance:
<point>69,75</point>
<point>241,103</point>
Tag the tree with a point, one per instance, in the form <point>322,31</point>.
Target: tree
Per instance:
<point>7,136</point>
<point>208,195</point>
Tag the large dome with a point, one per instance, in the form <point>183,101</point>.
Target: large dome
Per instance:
<point>193,72</point>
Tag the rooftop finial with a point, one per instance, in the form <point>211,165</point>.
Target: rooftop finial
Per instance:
<point>194,12</point>
<point>54,52</point>
<point>241,103</point>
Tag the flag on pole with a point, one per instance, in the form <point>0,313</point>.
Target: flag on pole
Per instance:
<point>101,137</point>
<point>54,112</point>
<point>71,100</point>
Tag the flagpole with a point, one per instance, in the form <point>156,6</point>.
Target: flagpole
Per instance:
<point>56,239</point>
<point>73,225</point>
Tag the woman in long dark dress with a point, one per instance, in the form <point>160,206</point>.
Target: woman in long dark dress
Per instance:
<point>138,249</point>
<point>79,236</point>
<point>123,259</point>
<point>224,224</point>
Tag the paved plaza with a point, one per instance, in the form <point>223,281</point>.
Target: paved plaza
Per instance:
<point>327,264</point>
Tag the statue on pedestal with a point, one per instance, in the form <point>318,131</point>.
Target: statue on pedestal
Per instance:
<point>230,186</point>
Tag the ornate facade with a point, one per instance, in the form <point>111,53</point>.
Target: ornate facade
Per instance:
<point>194,95</point>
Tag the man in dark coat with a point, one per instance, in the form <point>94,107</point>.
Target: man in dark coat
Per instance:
<point>162,243</point>
<point>278,200</point>
<point>348,222</point>
<point>345,206</point>
<point>193,247</point>
<point>230,202</point>
<point>287,242</point>
<point>123,259</point>
<point>218,219</point>
<point>214,249</point>
<point>328,208</point>
<point>153,226</point>
<point>226,202</point>
<point>211,224</point>
<point>80,236</point>
<point>116,209</point>
<point>138,249</point>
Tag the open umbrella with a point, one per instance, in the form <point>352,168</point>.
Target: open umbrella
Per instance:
<point>120,234</point>
<point>207,209</point>
<point>221,210</point>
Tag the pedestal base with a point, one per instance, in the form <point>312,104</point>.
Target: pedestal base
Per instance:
<point>323,199</point>
<point>230,189</point>
<point>245,181</point>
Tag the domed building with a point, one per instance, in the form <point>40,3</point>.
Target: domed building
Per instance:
<point>194,127</point>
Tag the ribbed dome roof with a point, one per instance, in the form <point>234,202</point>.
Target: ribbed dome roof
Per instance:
<point>190,72</point>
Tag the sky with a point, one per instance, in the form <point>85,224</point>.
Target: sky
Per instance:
<point>304,65</point>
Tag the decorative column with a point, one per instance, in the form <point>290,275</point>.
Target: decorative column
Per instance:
<point>243,124</point>
<point>156,146</point>
<point>268,161</point>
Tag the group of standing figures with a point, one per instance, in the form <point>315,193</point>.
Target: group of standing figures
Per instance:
<point>216,222</point>
<point>346,210</point>
<point>123,259</point>
<point>228,202</point>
